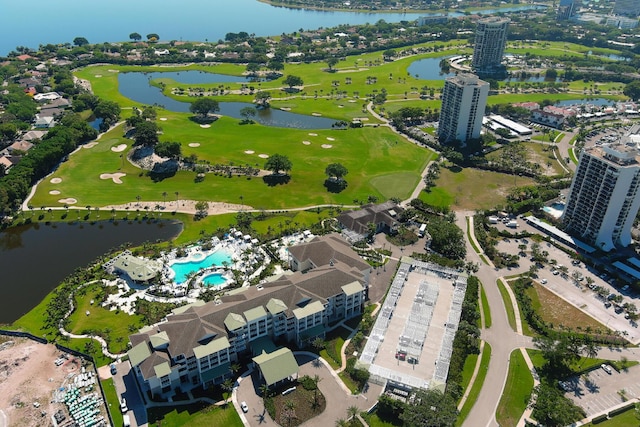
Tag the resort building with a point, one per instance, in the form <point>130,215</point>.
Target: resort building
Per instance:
<point>197,344</point>
<point>140,270</point>
<point>382,217</point>
<point>464,99</point>
<point>603,200</point>
<point>490,41</point>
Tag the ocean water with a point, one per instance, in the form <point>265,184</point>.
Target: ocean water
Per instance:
<point>41,22</point>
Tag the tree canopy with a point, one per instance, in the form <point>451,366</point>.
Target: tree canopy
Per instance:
<point>292,81</point>
<point>204,106</point>
<point>552,408</point>
<point>135,36</point>
<point>430,408</point>
<point>146,133</point>
<point>277,163</point>
<point>80,41</point>
<point>632,90</point>
<point>336,170</point>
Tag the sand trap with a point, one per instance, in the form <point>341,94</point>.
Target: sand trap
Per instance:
<point>316,114</point>
<point>113,71</point>
<point>340,106</point>
<point>98,75</point>
<point>249,151</point>
<point>68,201</point>
<point>263,156</point>
<point>330,139</point>
<point>352,101</point>
<point>90,145</point>
<point>119,148</point>
<point>205,126</point>
<point>313,134</point>
<point>113,176</point>
<point>163,119</point>
<point>55,180</point>
<point>285,108</point>
<point>194,144</point>
<point>306,142</point>
<point>54,192</point>
<point>326,145</point>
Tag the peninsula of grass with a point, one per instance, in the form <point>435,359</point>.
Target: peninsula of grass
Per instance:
<point>476,387</point>
<point>486,309</point>
<point>516,393</point>
<point>113,401</point>
<point>508,305</point>
<point>194,415</point>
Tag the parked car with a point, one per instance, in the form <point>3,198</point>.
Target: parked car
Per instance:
<point>244,407</point>
<point>543,281</point>
<point>113,369</point>
<point>123,406</point>
<point>606,368</point>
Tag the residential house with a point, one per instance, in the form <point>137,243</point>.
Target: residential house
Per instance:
<point>19,147</point>
<point>547,118</point>
<point>44,122</point>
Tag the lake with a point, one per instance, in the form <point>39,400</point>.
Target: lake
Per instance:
<point>42,22</point>
<point>35,258</point>
<point>136,86</point>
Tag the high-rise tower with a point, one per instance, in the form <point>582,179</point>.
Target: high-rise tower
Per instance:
<point>603,200</point>
<point>464,99</point>
<point>490,41</point>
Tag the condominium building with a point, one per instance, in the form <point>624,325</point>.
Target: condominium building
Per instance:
<point>566,9</point>
<point>627,7</point>
<point>603,200</point>
<point>490,41</point>
<point>197,344</point>
<point>464,99</point>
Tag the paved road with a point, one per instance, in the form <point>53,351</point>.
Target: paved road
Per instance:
<point>126,387</point>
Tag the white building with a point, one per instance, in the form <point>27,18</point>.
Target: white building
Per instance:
<point>464,99</point>
<point>603,200</point>
<point>490,41</point>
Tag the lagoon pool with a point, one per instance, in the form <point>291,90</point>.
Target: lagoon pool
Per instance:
<point>183,269</point>
<point>214,279</point>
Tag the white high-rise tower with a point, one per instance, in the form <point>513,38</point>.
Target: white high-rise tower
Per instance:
<point>490,41</point>
<point>464,99</point>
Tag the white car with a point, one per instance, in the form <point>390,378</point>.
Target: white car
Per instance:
<point>123,406</point>
<point>606,368</point>
<point>543,281</point>
<point>244,407</point>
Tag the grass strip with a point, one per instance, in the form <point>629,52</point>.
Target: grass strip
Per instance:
<point>113,402</point>
<point>508,305</point>
<point>486,310</point>
<point>473,244</point>
<point>517,391</point>
<point>477,384</point>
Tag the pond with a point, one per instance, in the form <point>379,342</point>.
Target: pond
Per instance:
<point>429,69</point>
<point>136,86</point>
<point>35,258</point>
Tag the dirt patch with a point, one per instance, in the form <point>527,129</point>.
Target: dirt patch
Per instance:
<point>55,180</point>
<point>29,380</point>
<point>113,176</point>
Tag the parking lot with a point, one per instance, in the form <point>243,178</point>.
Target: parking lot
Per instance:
<point>601,391</point>
<point>574,292</point>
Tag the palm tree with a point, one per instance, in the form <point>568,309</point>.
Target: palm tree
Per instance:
<point>290,410</point>
<point>227,386</point>
<point>342,423</point>
<point>164,197</point>
<point>316,380</point>
<point>352,413</point>
<point>138,197</point>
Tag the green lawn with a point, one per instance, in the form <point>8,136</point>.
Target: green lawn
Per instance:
<point>476,388</point>
<point>380,164</point>
<point>517,391</point>
<point>511,316</point>
<point>375,421</point>
<point>113,400</point>
<point>471,189</point>
<point>626,419</point>
<point>583,364</point>
<point>195,415</point>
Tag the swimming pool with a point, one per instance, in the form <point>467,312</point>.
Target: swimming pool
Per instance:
<point>213,279</point>
<point>183,269</point>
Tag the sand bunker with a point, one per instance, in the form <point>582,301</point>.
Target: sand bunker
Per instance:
<point>54,192</point>
<point>68,201</point>
<point>113,176</point>
<point>285,108</point>
<point>98,75</point>
<point>205,126</point>
<point>313,134</point>
<point>326,145</point>
<point>90,145</point>
<point>306,142</point>
<point>119,148</point>
<point>340,106</point>
<point>263,156</point>
<point>55,180</point>
<point>249,151</point>
<point>330,139</point>
<point>194,144</point>
<point>113,71</point>
<point>163,119</point>
<point>352,101</point>
<point>316,114</point>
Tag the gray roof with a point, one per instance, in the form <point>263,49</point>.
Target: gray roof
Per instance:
<point>326,250</point>
<point>358,220</point>
<point>137,269</point>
